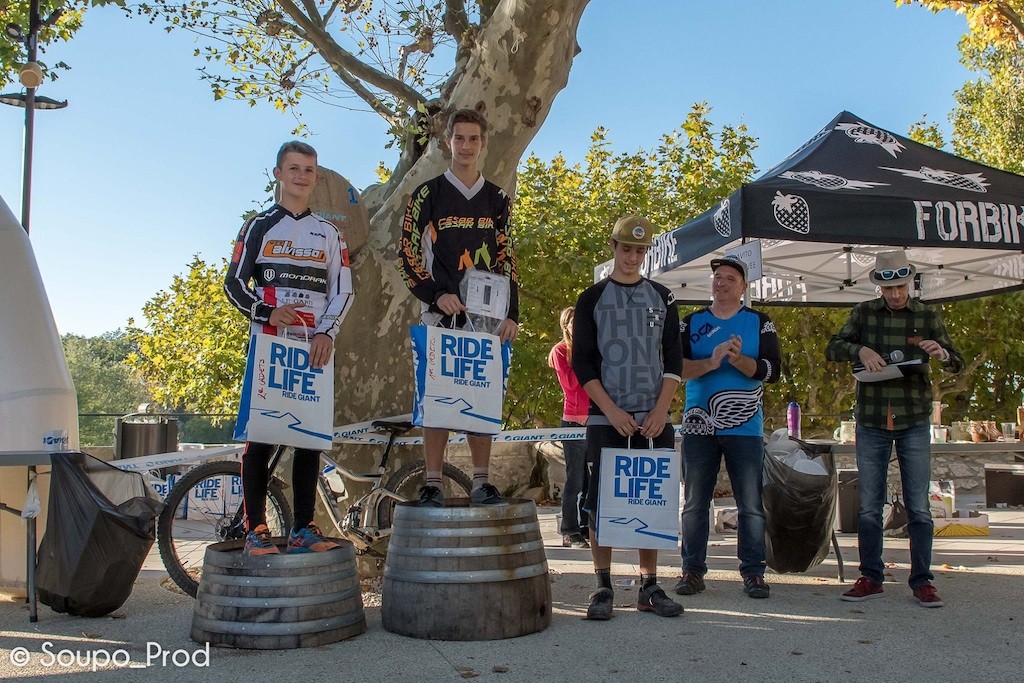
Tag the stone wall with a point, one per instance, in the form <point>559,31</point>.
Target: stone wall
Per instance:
<point>961,463</point>
<point>518,470</point>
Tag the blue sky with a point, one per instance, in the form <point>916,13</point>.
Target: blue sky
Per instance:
<point>144,169</point>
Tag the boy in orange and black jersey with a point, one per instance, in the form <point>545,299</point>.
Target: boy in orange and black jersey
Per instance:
<point>449,228</point>
<point>455,222</point>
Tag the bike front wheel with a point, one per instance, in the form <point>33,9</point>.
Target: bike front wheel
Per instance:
<point>407,481</point>
<point>205,506</point>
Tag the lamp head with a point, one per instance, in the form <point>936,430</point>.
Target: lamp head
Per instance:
<point>31,75</point>
<point>14,32</point>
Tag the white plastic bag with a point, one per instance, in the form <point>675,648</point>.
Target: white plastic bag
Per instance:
<point>32,505</point>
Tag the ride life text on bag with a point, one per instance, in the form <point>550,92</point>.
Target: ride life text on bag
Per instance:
<point>638,499</point>
<point>460,379</point>
<point>285,400</point>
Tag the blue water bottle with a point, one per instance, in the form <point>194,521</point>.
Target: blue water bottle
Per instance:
<point>793,419</point>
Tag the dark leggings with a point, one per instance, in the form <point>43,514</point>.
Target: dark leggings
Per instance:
<point>256,477</point>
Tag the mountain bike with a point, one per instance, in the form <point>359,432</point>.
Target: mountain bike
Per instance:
<point>205,506</point>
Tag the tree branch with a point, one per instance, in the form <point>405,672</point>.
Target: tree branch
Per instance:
<point>961,382</point>
<point>389,115</point>
<point>1013,17</point>
<point>1005,11</point>
<point>466,41</point>
<point>345,64</point>
<point>487,8</point>
<point>311,10</point>
<point>330,11</point>
<point>456,22</point>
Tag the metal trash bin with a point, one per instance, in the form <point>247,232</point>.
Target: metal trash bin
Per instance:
<point>849,500</point>
<point>138,434</point>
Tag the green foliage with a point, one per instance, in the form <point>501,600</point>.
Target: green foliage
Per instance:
<point>927,133</point>
<point>988,122</point>
<point>13,53</point>
<point>382,54</point>
<point>988,127</point>
<point>983,330</point>
<point>825,391</point>
<point>191,350</point>
<point>105,382</point>
<point>563,217</point>
<point>193,429</point>
<point>989,23</point>
<point>986,333</point>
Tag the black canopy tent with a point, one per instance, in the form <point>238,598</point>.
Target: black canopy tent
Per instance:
<point>851,191</point>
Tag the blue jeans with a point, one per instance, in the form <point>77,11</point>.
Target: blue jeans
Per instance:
<point>702,458</point>
<point>913,451</point>
<point>574,519</point>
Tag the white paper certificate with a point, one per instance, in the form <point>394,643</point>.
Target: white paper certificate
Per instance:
<point>486,294</point>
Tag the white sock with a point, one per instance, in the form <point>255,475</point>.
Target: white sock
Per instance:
<point>479,477</point>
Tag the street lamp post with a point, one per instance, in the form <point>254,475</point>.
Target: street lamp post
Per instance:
<point>31,77</point>
<point>32,42</point>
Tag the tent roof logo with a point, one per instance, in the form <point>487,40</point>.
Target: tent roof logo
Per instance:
<point>862,133</point>
<point>827,181</point>
<point>972,182</point>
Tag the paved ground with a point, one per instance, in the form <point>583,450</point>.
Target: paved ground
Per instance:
<point>802,633</point>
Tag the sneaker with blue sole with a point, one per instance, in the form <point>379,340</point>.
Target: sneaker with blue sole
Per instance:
<point>309,539</point>
<point>259,542</point>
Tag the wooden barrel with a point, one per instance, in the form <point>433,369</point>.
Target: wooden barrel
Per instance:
<point>466,573</point>
<point>275,602</point>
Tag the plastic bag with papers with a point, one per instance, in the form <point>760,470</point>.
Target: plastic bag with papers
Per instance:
<point>799,494</point>
<point>486,297</point>
<point>100,526</point>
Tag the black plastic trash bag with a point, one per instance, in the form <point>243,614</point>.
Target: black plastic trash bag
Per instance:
<point>100,526</point>
<point>799,514</point>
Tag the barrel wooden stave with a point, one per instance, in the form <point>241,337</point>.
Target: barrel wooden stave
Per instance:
<point>466,573</point>
<point>277,601</point>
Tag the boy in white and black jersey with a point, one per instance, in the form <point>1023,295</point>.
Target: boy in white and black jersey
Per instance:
<point>454,223</point>
<point>628,359</point>
<point>289,274</point>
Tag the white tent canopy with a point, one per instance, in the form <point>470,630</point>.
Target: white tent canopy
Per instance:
<point>853,190</point>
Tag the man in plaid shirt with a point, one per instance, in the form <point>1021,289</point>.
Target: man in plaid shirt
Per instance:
<point>894,412</point>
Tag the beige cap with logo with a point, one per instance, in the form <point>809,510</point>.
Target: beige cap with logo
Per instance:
<point>634,230</point>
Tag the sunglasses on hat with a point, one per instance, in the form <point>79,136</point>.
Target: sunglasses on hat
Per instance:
<point>893,274</point>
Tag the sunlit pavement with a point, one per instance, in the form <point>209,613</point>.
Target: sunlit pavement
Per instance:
<point>802,633</point>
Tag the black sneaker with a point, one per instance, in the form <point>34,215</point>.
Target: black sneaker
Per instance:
<point>690,583</point>
<point>755,587</point>
<point>431,497</point>
<point>653,599</point>
<point>576,540</point>
<point>600,608</point>
<point>486,494</point>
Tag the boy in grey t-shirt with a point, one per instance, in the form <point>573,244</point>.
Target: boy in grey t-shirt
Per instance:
<point>628,359</point>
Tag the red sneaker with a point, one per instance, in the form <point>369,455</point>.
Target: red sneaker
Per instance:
<point>863,589</point>
<point>926,595</point>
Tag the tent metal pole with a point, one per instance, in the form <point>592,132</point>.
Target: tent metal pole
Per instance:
<point>746,292</point>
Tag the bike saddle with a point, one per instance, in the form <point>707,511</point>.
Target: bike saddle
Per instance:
<point>398,427</point>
